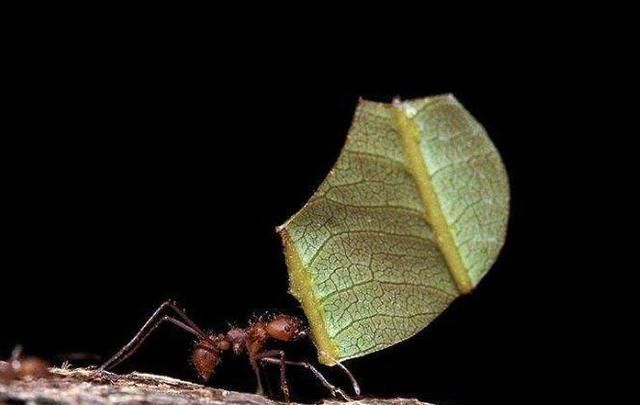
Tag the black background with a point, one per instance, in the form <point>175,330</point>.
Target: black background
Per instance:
<point>153,170</point>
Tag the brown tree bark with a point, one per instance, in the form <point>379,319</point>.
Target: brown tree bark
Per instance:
<point>91,387</point>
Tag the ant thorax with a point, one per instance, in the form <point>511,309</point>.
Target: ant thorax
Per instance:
<point>256,337</point>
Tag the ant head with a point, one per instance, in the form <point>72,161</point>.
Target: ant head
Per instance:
<point>286,328</point>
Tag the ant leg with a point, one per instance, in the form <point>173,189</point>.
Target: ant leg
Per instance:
<point>137,341</point>
<point>335,391</point>
<point>150,322</point>
<point>354,382</point>
<point>256,369</point>
<point>182,314</point>
<point>284,386</point>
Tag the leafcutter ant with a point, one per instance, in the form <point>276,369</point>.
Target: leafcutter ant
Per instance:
<point>22,368</point>
<point>252,341</point>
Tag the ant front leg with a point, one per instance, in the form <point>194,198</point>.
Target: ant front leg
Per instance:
<point>335,391</point>
<point>152,323</point>
<point>284,386</point>
<point>354,382</point>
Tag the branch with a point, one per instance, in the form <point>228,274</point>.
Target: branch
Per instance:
<point>83,387</point>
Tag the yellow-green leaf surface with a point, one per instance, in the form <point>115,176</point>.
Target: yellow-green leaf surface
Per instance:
<point>412,215</point>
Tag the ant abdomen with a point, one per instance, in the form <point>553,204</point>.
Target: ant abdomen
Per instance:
<point>205,361</point>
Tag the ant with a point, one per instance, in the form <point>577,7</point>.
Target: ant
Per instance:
<point>208,348</point>
<point>18,367</point>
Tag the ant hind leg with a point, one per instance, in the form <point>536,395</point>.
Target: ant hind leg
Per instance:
<point>171,304</point>
<point>152,323</point>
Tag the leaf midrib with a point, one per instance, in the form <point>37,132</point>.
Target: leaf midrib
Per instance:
<point>417,168</point>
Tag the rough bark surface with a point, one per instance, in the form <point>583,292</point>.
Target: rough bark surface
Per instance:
<point>91,387</point>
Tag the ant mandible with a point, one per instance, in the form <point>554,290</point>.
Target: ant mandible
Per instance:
<point>251,340</point>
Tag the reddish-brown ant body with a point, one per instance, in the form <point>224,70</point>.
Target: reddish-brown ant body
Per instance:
<point>19,368</point>
<point>252,341</point>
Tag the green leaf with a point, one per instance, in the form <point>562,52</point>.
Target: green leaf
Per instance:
<point>412,215</point>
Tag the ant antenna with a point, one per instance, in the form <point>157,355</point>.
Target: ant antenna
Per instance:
<point>17,351</point>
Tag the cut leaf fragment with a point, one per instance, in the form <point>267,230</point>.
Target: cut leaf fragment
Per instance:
<point>412,215</point>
